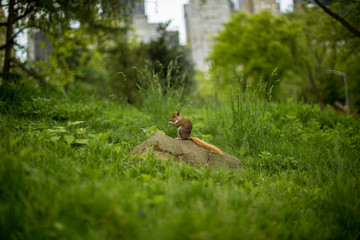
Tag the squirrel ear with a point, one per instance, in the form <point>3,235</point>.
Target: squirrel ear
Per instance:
<point>177,113</point>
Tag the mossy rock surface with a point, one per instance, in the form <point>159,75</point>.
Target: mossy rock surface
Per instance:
<point>187,151</point>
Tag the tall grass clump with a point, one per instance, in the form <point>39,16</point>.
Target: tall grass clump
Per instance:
<point>285,130</point>
<point>161,94</point>
<point>299,142</point>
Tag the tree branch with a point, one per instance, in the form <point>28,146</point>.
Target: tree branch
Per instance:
<point>338,18</point>
<point>4,46</point>
<point>19,46</point>
<point>26,12</point>
<point>11,40</point>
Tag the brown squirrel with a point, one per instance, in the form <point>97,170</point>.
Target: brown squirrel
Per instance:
<point>184,126</point>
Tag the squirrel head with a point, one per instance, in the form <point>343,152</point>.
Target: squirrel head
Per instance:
<point>174,118</point>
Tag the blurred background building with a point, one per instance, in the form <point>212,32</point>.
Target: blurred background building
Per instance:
<point>146,32</point>
<point>143,30</point>
<point>39,47</point>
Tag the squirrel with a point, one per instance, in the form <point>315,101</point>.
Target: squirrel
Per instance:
<point>184,126</point>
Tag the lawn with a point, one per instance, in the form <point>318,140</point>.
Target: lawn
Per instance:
<point>66,171</point>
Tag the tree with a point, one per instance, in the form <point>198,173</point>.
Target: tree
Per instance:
<point>131,65</point>
<point>355,11</point>
<point>254,47</point>
<point>123,61</point>
<point>53,16</point>
<point>328,45</point>
<point>163,54</point>
<point>300,46</point>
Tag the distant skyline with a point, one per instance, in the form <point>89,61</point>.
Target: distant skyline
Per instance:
<point>158,11</point>
<point>161,11</point>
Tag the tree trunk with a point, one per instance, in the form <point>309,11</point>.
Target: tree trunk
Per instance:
<point>9,40</point>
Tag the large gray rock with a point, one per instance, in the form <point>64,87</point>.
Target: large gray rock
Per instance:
<point>166,147</point>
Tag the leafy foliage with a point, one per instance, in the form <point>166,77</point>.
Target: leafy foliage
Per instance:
<point>300,47</point>
<point>253,47</point>
<point>53,17</point>
<point>139,65</point>
<point>164,54</point>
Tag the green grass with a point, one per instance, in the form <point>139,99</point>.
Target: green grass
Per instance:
<point>66,171</point>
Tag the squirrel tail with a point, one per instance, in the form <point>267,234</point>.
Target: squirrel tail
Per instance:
<point>206,145</point>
